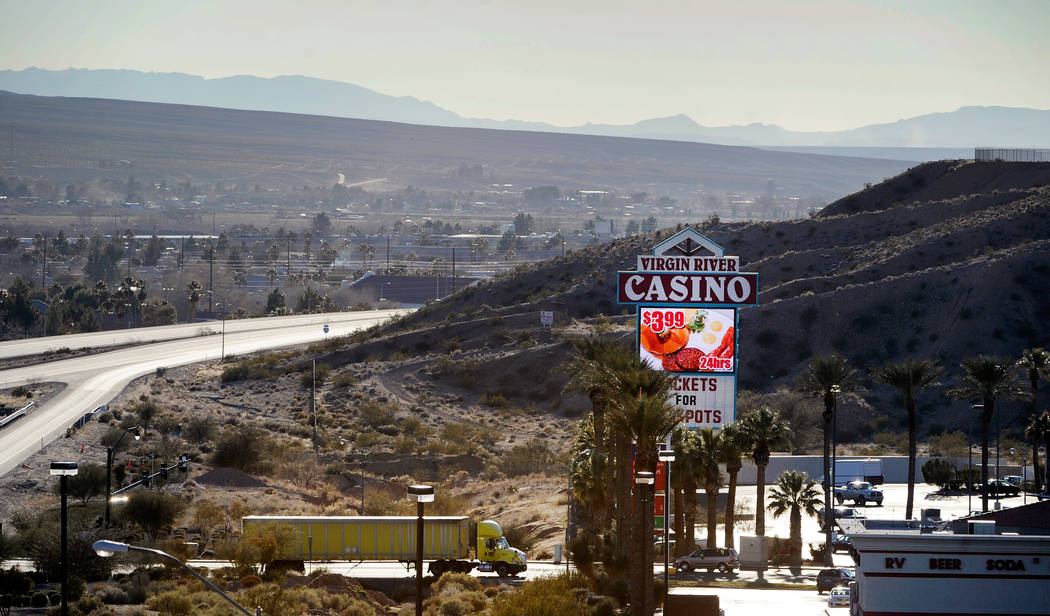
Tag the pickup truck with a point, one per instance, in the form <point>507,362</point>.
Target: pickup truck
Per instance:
<point>860,492</point>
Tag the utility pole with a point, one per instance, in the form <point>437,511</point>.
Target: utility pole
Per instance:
<point>387,255</point>
<point>313,405</point>
<point>211,275</point>
<point>453,269</point>
<point>43,268</point>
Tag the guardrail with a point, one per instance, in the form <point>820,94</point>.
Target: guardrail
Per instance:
<point>15,415</point>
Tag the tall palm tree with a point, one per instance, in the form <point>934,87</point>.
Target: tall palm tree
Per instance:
<point>590,373</point>
<point>732,456</point>
<point>909,377</point>
<point>761,430</point>
<point>641,413</point>
<point>794,493</point>
<point>686,473</point>
<point>587,478</point>
<point>708,455</point>
<point>1036,364</point>
<point>678,490</point>
<point>987,377</point>
<point>1038,431</point>
<point>827,376</point>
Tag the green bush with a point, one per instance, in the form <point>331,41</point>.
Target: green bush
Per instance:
<point>532,457</point>
<point>550,596</point>
<point>938,472</point>
<point>171,603</point>
<point>39,600</point>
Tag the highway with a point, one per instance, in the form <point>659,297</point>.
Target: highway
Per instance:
<point>95,379</point>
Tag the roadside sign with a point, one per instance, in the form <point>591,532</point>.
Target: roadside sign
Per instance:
<point>326,328</point>
<point>546,318</point>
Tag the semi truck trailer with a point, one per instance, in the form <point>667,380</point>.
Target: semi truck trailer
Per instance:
<point>446,541</point>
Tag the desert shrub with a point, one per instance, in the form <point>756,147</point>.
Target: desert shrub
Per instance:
<point>550,596</point>
<point>315,376</point>
<point>200,429</point>
<point>344,379</point>
<point>532,457</point>
<point>817,552</point>
<point>151,511</point>
<point>171,603</point>
<point>377,414</point>
<point>892,440</point>
<point>246,370</point>
<point>240,448</point>
<point>938,472</point>
<point>457,582</point>
<point>519,537</point>
<point>949,444</point>
<point>22,392</point>
<point>462,371</point>
<point>495,400</point>
<point>250,580</point>
<point>111,594</point>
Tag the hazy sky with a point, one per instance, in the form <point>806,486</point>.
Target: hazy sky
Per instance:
<point>805,65</point>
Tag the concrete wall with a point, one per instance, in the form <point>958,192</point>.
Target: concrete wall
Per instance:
<point>894,468</point>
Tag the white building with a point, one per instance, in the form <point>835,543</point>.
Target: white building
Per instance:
<point>906,570</point>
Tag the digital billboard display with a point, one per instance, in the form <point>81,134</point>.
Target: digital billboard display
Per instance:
<point>688,340</point>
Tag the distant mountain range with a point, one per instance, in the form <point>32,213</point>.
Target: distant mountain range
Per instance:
<point>965,127</point>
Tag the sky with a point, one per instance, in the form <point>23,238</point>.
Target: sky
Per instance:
<point>801,64</point>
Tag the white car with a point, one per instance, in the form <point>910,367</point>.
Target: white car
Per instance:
<point>838,597</point>
<point>1014,480</point>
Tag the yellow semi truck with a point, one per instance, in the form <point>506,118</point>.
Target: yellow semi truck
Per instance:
<point>446,541</point>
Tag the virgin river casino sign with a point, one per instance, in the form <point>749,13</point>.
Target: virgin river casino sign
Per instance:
<point>687,294</point>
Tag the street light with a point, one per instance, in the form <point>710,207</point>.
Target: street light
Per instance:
<point>222,352</point>
<point>984,463</point>
<point>667,457</point>
<point>109,464</point>
<point>644,479</point>
<point>106,549</point>
<point>64,470</point>
<point>422,494</point>
<point>568,505</point>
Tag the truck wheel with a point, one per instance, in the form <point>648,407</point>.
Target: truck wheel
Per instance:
<point>722,567</point>
<point>437,568</point>
<point>502,570</point>
<point>860,501</point>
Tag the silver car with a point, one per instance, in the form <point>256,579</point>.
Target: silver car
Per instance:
<point>723,559</point>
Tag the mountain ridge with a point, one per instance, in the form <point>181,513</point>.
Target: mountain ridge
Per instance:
<point>967,126</point>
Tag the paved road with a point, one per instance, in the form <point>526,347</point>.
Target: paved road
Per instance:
<point>94,380</point>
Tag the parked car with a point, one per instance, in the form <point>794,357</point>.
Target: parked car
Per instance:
<point>860,492</point>
<point>723,559</point>
<point>841,542</point>
<point>830,578</point>
<point>839,513</point>
<point>998,487</point>
<point>838,596</point>
<point>1014,480</point>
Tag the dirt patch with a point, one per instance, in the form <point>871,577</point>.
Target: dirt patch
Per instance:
<point>230,478</point>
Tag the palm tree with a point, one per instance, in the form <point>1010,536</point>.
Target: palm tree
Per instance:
<point>686,473</point>
<point>987,377</point>
<point>194,295</point>
<point>1038,431</point>
<point>589,372</point>
<point>708,455</point>
<point>794,493</point>
<point>641,413</point>
<point>1036,364</point>
<point>732,456</point>
<point>678,489</point>
<point>909,377</point>
<point>826,376</point>
<point>761,430</point>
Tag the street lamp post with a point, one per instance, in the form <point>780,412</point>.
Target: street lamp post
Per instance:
<point>984,463</point>
<point>64,470</point>
<point>568,504</point>
<point>835,390</point>
<point>109,464</point>
<point>667,457</point>
<point>225,305</point>
<point>645,479</point>
<point>422,494</point>
<point>106,549</point>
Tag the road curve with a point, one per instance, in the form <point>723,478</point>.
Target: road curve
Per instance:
<point>95,379</point>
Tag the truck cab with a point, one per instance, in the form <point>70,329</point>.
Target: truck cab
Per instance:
<point>495,553</point>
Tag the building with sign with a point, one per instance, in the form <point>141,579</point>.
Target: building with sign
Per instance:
<point>905,569</point>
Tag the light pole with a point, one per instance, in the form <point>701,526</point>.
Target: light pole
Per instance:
<point>64,470</point>
<point>422,494</point>
<point>667,457</point>
<point>109,464</point>
<point>644,480</point>
<point>568,504</point>
<point>835,389</point>
<point>984,461</point>
<point>106,549</point>
<point>222,344</point>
